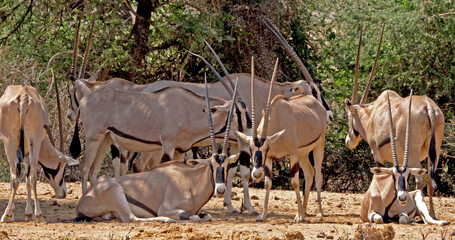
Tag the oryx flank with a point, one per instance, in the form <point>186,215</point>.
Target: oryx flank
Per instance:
<point>366,121</point>
<point>298,125</point>
<point>387,197</point>
<point>24,129</point>
<point>173,190</point>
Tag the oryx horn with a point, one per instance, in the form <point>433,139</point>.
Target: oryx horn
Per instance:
<point>76,46</point>
<point>266,115</point>
<point>367,89</point>
<point>392,134</point>
<point>356,76</point>
<point>212,132</point>
<point>214,71</point>
<point>225,71</point>
<point>228,125</point>
<point>253,113</point>
<point>408,127</point>
<point>288,48</point>
<point>87,50</point>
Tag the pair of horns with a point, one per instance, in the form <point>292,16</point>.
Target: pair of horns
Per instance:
<point>356,78</point>
<point>87,51</point>
<point>392,134</point>
<point>269,99</point>
<point>228,125</point>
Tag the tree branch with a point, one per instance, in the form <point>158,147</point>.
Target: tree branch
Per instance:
<point>29,9</point>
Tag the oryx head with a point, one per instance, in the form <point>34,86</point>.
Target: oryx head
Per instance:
<point>219,163</point>
<point>314,90</point>
<point>260,145</point>
<point>399,173</point>
<point>74,95</point>
<point>356,131</point>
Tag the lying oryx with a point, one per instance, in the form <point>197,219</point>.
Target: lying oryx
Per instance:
<point>366,121</point>
<point>387,197</point>
<point>173,190</point>
<point>23,124</point>
<point>290,127</point>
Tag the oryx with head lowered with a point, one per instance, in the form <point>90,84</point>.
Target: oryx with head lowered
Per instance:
<point>387,197</point>
<point>24,130</point>
<point>366,121</point>
<point>290,127</point>
<point>171,191</point>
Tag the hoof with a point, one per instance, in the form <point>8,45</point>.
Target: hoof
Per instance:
<point>299,218</point>
<point>259,220</point>
<point>170,221</point>
<point>39,219</point>
<point>319,218</point>
<point>7,219</point>
<point>443,223</point>
<point>233,211</point>
<point>29,217</point>
<point>252,213</point>
<point>195,218</point>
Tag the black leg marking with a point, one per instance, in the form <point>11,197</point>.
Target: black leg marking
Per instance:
<point>75,145</point>
<point>185,215</point>
<point>267,172</point>
<point>432,156</point>
<point>82,218</point>
<point>244,159</point>
<point>295,169</point>
<point>141,205</point>
<point>130,164</point>
<point>114,151</point>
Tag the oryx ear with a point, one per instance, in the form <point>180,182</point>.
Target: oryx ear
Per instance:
<point>381,170</point>
<point>222,108</point>
<point>348,103</point>
<point>276,136</point>
<point>241,136</point>
<point>84,87</point>
<point>69,160</point>
<point>417,171</point>
<point>194,162</point>
<point>302,88</point>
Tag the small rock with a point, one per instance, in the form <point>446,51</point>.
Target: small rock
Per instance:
<point>349,223</point>
<point>233,193</point>
<point>329,237</point>
<point>320,235</point>
<point>55,203</point>
<point>254,197</point>
<point>277,198</point>
<point>235,198</point>
<point>293,236</point>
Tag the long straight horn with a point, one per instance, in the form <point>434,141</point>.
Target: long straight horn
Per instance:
<point>224,70</point>
<point>87,49</point>
<point>367,89</point>
<point>266,115</point>
<point>288,48</point>
<point>76,46</point>
<point>214,71</point>
<point>392,134</point>
<point>228,125</point>
<point>356,78</point>
<point>408,129</point>
<point>253,113</point>
<point>212,133</point>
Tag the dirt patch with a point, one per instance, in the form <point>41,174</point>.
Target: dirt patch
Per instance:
<point>341,220</point>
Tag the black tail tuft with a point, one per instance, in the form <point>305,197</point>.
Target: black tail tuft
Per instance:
<point>82,218</point>
<point>20,152</point>
<point>115,152</point>
<point>75,146</point>
<point>432,156</point>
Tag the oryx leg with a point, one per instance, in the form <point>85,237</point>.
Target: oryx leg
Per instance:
<point>92,144</point>
<point>375,202</point>
<point>429,188</point>
<point>422,209</point>
<point>96,165</point>
<point>123,162</point>
<point>115,153</point>
<point>10,150</point>
<point>34,146</point>
<point>318,154</point>
<point>28,205</point>
<point>308,173</point>
<point>183,215</point>
<point>267,186</point>
<point>295,166</point>
<point>232,168</point>
<point>244,161</point>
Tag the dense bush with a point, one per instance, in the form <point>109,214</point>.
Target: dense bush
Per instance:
<point>418,53</point>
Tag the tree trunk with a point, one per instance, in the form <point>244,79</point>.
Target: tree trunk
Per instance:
<point>141,32</point>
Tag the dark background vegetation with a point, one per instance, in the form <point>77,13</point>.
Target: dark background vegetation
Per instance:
<point>418,53</point>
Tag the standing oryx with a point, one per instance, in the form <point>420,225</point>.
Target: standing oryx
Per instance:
<point>23,125</point>
<point>173,190</point>
<point>298,125</point>
<point>387,197</point>
<point>366,121</point>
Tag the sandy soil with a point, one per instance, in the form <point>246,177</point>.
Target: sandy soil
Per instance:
<point>341,220</point>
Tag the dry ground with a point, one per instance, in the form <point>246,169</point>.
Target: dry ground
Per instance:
<point>340,222</point>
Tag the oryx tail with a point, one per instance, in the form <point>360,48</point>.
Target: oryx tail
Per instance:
<point>23,108</point>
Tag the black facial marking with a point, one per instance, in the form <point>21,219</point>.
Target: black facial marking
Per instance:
<point>258,142</point>
<point>244,159</point>
<point>249,123</point>
<point>314,92</point>
<point>324,103</point>
<point>295,169</point>
<point>258,159</point>
<point>356,133</point>
<point>239,118</point>
<point>141,205</point>
<point>219,178</point>
<point>49,172</point>
<point>165,158</point>
<point>401,184</point>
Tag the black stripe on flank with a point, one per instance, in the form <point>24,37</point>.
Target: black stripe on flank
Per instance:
<point>315,140</point>
<point>141,205</point>
<point>384,142</point>
<point>124,135</point>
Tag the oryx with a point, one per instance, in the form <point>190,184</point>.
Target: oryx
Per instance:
<point>366,121</point>
<point>173,190</point>
<point>23,130</point>
<point>387,197</point>
<point>290,127</point>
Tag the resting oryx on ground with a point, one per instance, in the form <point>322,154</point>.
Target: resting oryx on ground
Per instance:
<point>23,130</point>
<point>290,127</point>
<point>387,197</point>
<point>173,190</point>
<point>366,121</point>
